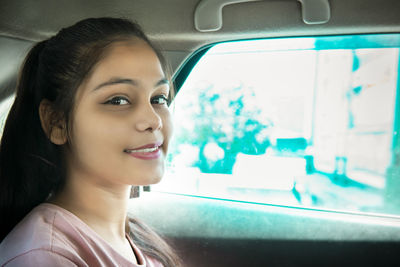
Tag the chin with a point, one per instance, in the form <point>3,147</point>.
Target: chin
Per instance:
<point>148,180</point>
<point>155,181</point>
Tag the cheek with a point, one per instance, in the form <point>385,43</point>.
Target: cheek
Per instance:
<point>167,124</point>
<point>94,137</point>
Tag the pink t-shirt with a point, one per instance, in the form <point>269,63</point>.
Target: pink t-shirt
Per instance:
<point>52,236</point>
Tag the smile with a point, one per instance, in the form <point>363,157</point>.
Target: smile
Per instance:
<point>147,152</point>
<point>144,150</point>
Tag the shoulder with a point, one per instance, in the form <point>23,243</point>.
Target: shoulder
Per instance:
<point>39,257</point>
<point>52,236</point>
<point>38,235</point>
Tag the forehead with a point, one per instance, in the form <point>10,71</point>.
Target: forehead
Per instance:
<point>134,59</point>
<point>134,54</point>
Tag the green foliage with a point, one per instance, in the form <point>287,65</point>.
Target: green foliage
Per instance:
<point>228,118</point>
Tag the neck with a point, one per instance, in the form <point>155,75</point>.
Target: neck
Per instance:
<point>101,207</point>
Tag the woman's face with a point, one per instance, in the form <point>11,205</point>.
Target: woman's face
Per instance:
<point>121,122</point>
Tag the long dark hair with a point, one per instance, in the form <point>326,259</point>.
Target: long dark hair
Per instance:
<point>31,167</point>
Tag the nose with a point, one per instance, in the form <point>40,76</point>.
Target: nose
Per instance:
<point>148,119</point>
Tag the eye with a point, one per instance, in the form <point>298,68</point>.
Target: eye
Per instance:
<point>117,101</point>
<point>159,100</point>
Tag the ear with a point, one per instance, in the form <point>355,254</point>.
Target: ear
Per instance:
<point>54,128</point>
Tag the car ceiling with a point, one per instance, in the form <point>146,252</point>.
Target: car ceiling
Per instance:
<point>170,23</point>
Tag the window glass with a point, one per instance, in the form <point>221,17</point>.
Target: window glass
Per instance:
<point>308,122</point>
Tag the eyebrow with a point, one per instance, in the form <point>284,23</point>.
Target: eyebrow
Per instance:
<point>119,80</point>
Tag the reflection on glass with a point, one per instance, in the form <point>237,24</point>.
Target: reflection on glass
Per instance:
<point>301,121</point>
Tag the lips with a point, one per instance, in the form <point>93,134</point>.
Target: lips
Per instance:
<point>143,150</point>
<point>149,151</point>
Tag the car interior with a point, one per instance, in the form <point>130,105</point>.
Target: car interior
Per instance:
<point>271,194</point>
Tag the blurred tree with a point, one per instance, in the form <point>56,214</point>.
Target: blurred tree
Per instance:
<point>232,121</point>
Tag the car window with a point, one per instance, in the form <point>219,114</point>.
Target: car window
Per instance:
<point>308,122</point>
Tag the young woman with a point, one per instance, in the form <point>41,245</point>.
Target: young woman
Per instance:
<point>90,120</point>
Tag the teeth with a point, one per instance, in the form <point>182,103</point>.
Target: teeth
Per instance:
<point>144,150</point>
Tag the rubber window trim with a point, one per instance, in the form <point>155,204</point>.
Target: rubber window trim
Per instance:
<point>183,73</point>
